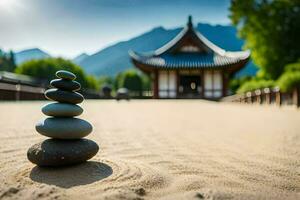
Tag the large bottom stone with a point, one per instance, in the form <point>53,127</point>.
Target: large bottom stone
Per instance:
<point>64,128</point>
<point>53,152</point>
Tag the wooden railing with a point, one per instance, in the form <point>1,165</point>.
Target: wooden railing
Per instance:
<point>267,96</point>
<point>17,92</point>
<point>22,87</point>
<point>20,92</point>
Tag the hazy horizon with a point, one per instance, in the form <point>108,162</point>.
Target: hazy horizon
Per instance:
<point>71,27</point>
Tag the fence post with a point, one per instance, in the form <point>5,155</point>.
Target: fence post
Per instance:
<point>18,90</point>
<point>296,97</point>
<point>249,97</point>
<point>258,96</point>
<point>267,96</point>
<point>278,96</point>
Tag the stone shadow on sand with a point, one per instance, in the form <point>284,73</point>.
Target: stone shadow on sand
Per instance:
<point>70,176</point>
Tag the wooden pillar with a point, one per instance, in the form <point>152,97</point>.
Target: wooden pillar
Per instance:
<point>155,85</point>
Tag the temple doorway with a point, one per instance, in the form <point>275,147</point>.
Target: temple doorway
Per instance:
<point>189,85</point>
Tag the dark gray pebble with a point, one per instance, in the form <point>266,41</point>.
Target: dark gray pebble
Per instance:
<point>62,110</point>
<point>64,128</point>
<point>65,84</point>
<point>64,96</point>
<point>65,75</point>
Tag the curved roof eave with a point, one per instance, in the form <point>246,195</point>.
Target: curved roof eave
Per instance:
<point>204,40</point>
<point>171,43</point>
<point>147,67</point>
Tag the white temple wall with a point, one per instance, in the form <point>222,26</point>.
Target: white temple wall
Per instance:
<point>213,84</point>
<point>218,84</point>
<point>208,84</point>
<point>167,84</point>
<point>172,85</point>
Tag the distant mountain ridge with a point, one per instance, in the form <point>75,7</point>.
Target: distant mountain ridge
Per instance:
<point>115,58</point>
<point>80,58</point>
<point>29,54</point>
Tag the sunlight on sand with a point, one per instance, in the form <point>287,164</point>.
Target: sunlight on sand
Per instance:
<point>160,150</point>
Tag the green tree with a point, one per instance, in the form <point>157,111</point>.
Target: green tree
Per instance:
<point>105,80</point>
<point>236,83</point>
<point>133,80</point>
<point>46,68</point>
<point>290,78</point>
<point>255,84</point>
<point>7,61</point>
<point>271,29</point>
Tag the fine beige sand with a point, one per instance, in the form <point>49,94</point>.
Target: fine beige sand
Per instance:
<point>160,150</point>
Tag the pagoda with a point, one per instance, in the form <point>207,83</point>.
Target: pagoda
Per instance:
<point>190,66</point>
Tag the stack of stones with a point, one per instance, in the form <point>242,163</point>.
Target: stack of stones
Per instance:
<point>66,145</point>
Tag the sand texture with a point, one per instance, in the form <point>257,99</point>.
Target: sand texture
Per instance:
<point>160,150</point>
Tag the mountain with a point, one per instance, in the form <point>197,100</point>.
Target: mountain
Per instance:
<point>115,58</point>
<point>30,54</point>
<point>80,58</point>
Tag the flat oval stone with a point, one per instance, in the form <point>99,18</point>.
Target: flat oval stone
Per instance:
<point>62,110</point>
<point>64,128</point>
<point>53,152</point>
<point>63,96</point>
<point>65,75</point>
<point>65,84</point>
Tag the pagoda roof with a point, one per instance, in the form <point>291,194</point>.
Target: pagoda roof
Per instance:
<point>203,55</point>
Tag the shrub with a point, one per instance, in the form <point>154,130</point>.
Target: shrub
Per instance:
<point>255,84</point>
<point>132,80</point>
<point>46,68</point>
<point>105,81</point>
<point>289,80</point>
<point>236,83</point>
<point>292,67</point>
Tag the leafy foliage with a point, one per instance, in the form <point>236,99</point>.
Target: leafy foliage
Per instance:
<point>132,80</point>
<point>46,68</point>
<point>271,30</point>
<point>293,67</point>
<point>234,84</point>
<point>105,81</point>
<point>7,61</point>
<point>255,84</point>
<point>289,80</point>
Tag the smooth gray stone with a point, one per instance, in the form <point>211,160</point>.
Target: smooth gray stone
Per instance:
<point>64,128</point>
<point>53,152</point>
<point>65,84</point>
<point>65,75</point>
<point>64,96</point>
<point>62,110</point>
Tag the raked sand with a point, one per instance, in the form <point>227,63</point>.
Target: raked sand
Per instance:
<point>160,150</point>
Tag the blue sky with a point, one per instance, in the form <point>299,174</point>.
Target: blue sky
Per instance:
<point>70,27</point>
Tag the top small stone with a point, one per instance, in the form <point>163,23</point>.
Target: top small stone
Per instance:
<point>63,74</point>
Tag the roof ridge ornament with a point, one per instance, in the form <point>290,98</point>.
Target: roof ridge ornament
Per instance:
<point>190,23</point>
